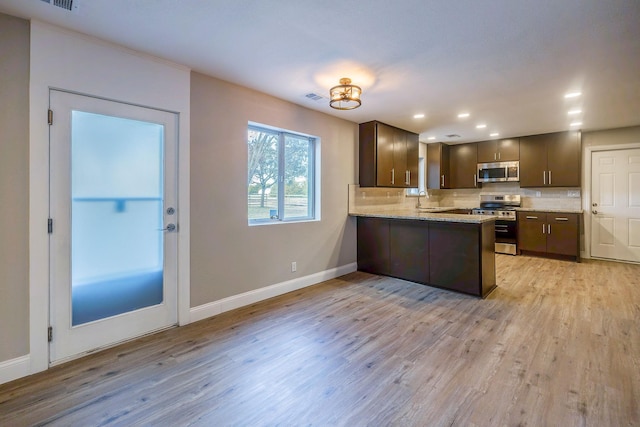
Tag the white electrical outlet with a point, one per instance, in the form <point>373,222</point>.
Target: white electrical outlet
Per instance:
<point>537,194</point>
<point>573,193</point>
<point>294,267</point>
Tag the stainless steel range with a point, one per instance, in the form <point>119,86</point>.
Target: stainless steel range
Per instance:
<point>504,207</point>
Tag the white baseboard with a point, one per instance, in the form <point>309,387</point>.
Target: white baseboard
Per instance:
<point>15,368</point>
<point>236,301</point>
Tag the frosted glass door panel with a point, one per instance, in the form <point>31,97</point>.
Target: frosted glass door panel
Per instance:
<point>116,215</point>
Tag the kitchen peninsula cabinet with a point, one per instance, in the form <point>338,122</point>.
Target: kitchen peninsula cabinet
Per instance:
<point>373,245</point>
<point>463,163</point>
<point>451,255</point>
<point>499,150</point>
<point>388,156</point>
<point>438,166</point>
<point>550,160</point>
<point>549,233</point>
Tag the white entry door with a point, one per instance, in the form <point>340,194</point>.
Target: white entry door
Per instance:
<point>615,200</point>
<point>113,226</point>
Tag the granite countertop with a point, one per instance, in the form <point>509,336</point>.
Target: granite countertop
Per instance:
<point>575,211</point>
<point>438,214</point>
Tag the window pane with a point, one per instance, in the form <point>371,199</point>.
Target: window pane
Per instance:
<point>116,215</point>
<point>298,177</point>
<point>262,178</point>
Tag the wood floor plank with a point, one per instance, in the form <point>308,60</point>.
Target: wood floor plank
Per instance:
<point>557,343</point>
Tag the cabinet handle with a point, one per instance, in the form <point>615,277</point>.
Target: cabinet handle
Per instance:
<point>475,180</point>
<point>498,155</point>
<point>543,232</point>
<point>393,176</point>
<point>544,177</point>
<point>407,178</point>
<point>548,228</point>
<point>443,181</point>
<point>562,219</point>
<point>532,217</point>
<point>549,177</point>
<point>495,156</point>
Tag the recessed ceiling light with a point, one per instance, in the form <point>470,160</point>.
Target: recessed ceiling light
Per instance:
<point>431,138</point>
<point>494,134</point>
<point>576,124</point>
<point>463,115</point>
<point>418,116</point>
<point>572,94</point>
<point>481,126</point>
<point>573,112</point>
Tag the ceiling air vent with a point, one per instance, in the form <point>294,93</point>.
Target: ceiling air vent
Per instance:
<point>314,96</point>
<point>453,135</point>
<point>71,5</point>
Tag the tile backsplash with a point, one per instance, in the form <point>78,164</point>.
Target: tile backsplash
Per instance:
<point>534,198</point>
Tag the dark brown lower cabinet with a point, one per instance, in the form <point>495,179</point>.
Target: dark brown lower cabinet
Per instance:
<point>373,245</point>
<point>409,250</point>
<point>449,255</point>
<point>549,233</point>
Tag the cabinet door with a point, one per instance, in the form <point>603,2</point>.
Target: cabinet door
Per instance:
<point>508,150</point>
<point>409,250</point>
<point>400,176</point>
<point>413,153</point>
<point>563,159</point>
<point>532,231</point>
<point>487,151</point>
<point>454,258</point>
<point>373,245</point>
<point>438,166</point>
<point>533,161</point>
<point>463,160</point>
<point>385,148</point>
<point>562,234</point>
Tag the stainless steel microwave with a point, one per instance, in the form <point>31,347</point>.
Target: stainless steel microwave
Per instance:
<point>499,172</point>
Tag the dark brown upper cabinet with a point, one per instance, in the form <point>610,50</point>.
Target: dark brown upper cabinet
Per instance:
<point>463,163</point>
<point>388,156</point>
<point>550,160</point>
<point>499,150</point>
<point>438,166</point>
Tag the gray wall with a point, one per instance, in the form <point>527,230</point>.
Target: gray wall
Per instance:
<point>14,187</point>
<point>628,135</point>
<point>228,257</point>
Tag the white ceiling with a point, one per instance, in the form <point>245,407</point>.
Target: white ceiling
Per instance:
<point>506,62</point>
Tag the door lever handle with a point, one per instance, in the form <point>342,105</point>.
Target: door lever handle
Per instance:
<point>594,212</point>
<point>170,227</point>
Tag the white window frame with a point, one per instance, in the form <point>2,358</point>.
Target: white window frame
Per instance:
<point>314,168</point>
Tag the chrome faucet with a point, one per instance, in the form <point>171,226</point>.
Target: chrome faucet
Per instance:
<point>418,205</point>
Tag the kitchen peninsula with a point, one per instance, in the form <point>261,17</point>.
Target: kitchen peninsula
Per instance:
<point>430,246</point>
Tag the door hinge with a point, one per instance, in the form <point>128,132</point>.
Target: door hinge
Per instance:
<point>50,226</point>
<point>50,116</point>
<point>50,333</point>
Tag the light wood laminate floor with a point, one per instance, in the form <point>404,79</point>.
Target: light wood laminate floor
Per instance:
<point>557,344</point>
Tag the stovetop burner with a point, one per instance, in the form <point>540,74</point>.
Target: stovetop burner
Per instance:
<point>503,206</point>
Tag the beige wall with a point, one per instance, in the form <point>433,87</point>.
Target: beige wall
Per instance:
<point>628,135</point>
<point>14,187</point>
<point>228,257</point>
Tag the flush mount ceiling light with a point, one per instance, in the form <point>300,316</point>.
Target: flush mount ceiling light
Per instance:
<point>345,96</point>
